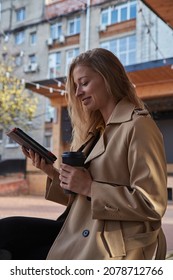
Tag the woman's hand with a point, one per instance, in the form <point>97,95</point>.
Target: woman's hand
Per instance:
<point>40,163</point>
<point>75,179</point>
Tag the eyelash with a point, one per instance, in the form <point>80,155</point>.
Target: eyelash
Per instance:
<point>84,84</point>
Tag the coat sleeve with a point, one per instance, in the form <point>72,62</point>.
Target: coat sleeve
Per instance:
<point>145,198</point>
<point>54,192</point>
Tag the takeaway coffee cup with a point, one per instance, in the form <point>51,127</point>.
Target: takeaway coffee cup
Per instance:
<point>74,159</point>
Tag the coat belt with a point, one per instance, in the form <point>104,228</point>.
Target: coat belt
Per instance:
<point>147,239</point>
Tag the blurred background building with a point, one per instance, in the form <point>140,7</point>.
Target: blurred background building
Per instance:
<point>43,37</point>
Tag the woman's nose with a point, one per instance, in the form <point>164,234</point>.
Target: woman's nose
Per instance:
<point>78,91</point>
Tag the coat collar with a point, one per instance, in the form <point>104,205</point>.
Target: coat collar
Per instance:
<point>122,112</point>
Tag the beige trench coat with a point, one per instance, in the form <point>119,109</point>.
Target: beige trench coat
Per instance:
<point>122,220</point>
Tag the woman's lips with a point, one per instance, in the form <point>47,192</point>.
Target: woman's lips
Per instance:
<point>86,100</point>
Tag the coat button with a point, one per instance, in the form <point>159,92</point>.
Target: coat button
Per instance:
<point>85,233</point>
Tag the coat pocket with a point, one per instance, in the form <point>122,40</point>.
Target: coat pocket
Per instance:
<point>113,239</point>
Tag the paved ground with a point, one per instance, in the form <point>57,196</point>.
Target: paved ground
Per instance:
<point>37,206</point>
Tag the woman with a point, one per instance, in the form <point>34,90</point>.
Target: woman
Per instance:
<point>120,196</point>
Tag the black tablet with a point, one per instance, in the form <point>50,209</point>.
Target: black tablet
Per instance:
<point>23,139</point>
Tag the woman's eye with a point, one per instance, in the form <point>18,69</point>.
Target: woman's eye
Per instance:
<point>84,84</point>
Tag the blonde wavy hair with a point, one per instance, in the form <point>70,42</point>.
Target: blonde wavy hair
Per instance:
<point>117,84</point>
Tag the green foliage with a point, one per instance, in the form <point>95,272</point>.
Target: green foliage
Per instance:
<point>17,107</point>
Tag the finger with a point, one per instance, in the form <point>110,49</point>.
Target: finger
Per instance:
<point>66,167</point>
<point>25,151</point>
<point>63,180</point>
<point>37,160</point>
<point>64,185</point>
<point>63,176</point>
<point>42,163</point>
<point>46,167</point>
<point>37,157</point>
<point>32,154</point>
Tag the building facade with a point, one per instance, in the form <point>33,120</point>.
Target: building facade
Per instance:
<point>44,36</point>
<point>22,31</point>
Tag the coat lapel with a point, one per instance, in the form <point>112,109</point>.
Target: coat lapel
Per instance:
<point>122,113</point>
<point>98,149</point>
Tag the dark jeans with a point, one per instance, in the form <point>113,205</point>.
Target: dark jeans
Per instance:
<point>28,238</point>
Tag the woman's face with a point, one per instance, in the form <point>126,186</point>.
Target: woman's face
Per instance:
<point>92,92</point>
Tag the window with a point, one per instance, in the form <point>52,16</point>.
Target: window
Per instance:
<point>18,60</point>
<point>74,26</point>
<point>32,58</point>
<point>115,14</point>
<point>48,140</point>
<point>11,143</point>
<point>69,56</point>
<point>66,128</point>
<point>55,30</point>
<point>33,38</point>
<point>54,64</point>
<point>124,48</point>
<point>20,14</point>
<point>19,37</point>
<point>50,111</point>
<point>133,10</point>
<point>4,56</point>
